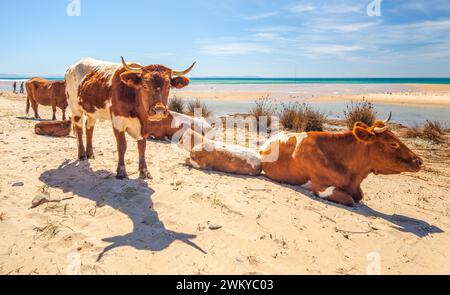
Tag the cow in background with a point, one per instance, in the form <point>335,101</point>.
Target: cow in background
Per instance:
<point>47,93</point>
<point>125,94</point>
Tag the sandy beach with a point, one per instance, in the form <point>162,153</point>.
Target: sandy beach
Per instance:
<point>163,226</point>
<point>417,95</point>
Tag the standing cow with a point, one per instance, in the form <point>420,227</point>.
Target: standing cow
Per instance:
<point>47,93</point>
<point>125,94</point>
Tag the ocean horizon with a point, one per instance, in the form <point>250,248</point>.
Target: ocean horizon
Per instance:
<point>281,81</point>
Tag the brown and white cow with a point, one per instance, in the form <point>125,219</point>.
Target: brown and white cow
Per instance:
<point>125,94</point>
<point>207,154</point>
<point>333,165</point>
<point>173,125</point>
<point>47,93</point>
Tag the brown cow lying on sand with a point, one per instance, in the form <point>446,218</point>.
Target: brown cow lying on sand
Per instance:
<point>332,165</point>
<point>47,93</point>
<point>125,94</point>
<point>55,128</point>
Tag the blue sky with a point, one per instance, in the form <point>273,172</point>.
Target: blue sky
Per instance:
<point>303,38</point>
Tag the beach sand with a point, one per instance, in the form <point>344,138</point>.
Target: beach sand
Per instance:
<point>162,226</point>
<point>418,95</point>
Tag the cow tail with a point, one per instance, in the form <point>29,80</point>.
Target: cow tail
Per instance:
<point>28,105</point>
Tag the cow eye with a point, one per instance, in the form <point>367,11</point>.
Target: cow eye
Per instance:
<point>395,145</point>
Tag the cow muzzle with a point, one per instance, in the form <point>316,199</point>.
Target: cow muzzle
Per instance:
<point>160,109</point>
<point>417,164</point>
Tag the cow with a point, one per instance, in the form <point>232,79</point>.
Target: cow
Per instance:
<point>54,128</point>
<point>173,125</point>
<point>47,93</point>
<point>333,165</point>
<point>208,154</point>
<point>125,94</point>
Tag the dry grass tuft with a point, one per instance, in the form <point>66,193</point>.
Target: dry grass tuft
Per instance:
<point>288,115</point>
<point>301,117</point>
<point>264,108</point>
<point>360,112</point>
<point>197,104</point>
<point>3,216</point>
<point>49,231</point>
<point>177,105</point>
<point>431,131</point>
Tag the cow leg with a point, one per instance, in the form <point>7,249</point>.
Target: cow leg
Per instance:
<point>78,128</point>
<point>64,114</point>
<point>359,196</point>
<point>90,124</point>
<point>35,105</point>
<point>334,194</point>
<point>121,148</point>
<point>143,170</point>
<point>54,113</point>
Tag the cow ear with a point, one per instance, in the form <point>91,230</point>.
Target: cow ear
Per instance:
<point>130,79</point>
<point>179,82</point>
<point>363,134</point>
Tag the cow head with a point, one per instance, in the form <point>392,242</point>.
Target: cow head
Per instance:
<point>152,84</point>
<point>388,155</point>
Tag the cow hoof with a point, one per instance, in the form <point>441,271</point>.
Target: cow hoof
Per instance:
<point>121,176</point>
<point>91,157</point>
<point>145,175</point>
<point>82,158</point>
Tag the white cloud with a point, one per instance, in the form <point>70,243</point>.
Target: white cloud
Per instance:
<point>235,48</point>
<point>333,49</point>
<point>302,7</point>
<point>261,16</point>
<point>329,7</point>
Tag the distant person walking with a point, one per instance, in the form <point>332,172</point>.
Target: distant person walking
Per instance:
<point>22,90</point>
<point>15,87</point>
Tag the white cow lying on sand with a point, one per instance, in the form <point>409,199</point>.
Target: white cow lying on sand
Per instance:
<point>209,154</point>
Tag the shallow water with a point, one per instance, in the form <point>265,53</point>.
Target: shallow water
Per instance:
<point>406,115</point>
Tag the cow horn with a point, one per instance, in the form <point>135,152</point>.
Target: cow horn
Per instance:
<point>182,73</point>
<point>135,70</point>
<point>388,119</point>
<point>379,130</point>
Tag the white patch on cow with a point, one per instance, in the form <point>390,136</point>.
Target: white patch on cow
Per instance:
<point>327,193</point>
<point>271,148</point>
<point>75,76</point>
<point>250,156</point>
<point>132,126</point>
<point>194,164</point>
<point>307,185</point>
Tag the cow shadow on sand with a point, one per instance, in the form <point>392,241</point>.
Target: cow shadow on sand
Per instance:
<point>33,119</point>
<point>406,224</point>
<point>131,197</point>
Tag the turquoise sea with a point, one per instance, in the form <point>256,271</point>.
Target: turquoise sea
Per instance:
<point>262,81</point>
<point>320,81</point>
